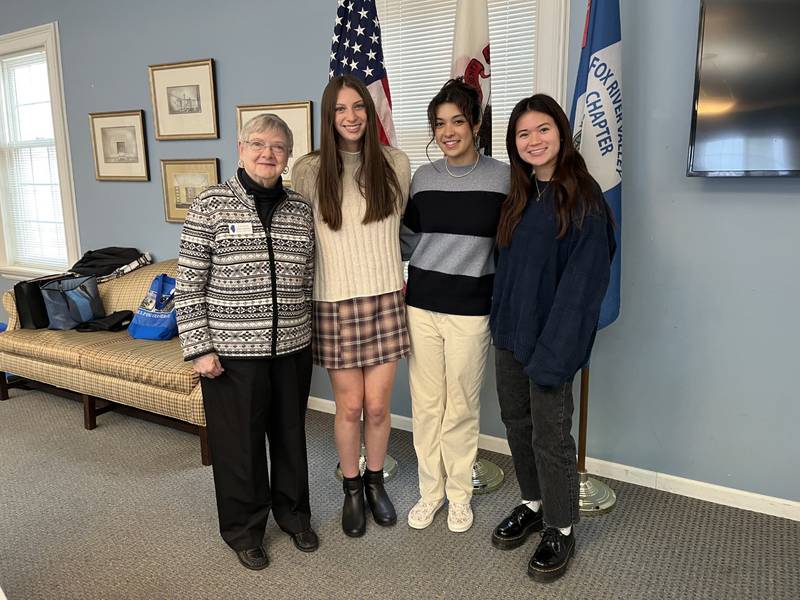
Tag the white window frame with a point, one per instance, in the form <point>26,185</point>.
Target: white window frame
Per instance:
<point>552,44</point>
<point>36,38</point>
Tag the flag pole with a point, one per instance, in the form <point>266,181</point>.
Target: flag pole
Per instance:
<point>594,496</point>
<point>471,60</point>
<point>598,92</point>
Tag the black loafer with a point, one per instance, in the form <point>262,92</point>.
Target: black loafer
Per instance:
<point>516,527</point>
<point>550,560</point>
<point>254,558</point>
<point>305,541</point>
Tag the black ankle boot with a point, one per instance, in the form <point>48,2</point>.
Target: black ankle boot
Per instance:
<point>382,508</point>
<point>354,521</point>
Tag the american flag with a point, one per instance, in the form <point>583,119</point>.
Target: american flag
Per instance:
<point>356,50</point>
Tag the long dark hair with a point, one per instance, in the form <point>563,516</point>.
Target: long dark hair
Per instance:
<point>576,192</point>
<point>463,95</point>
<point>375,177</point>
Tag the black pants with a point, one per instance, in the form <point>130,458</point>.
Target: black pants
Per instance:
<point>251,398</point>
<point>539,428</point>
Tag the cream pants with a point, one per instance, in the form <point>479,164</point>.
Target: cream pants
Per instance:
<point>446,366</point>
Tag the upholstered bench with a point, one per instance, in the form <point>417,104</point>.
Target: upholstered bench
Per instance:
<point>145,375</point>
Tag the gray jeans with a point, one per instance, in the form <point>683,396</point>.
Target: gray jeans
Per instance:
<point>539,429</point>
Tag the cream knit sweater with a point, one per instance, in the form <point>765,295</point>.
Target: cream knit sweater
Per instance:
<point>357,260</point>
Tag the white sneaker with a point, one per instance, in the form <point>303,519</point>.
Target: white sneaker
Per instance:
<point>422,513</point>
<point>459,517</point>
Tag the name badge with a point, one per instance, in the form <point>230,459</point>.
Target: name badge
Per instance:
<point>240,228</point>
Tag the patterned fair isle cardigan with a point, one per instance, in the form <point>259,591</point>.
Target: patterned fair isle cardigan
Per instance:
<point>243,291</point>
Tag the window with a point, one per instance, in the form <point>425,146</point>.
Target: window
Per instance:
<point>417,46</point>
<point>38,233</point>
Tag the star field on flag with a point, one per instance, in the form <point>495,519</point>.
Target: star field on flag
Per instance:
<point>356,50</point>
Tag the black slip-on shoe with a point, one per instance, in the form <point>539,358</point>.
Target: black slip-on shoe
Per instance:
<point>253,558</point>
<point>551,558</point>
<point>305,541</point>
<point>516,528</point>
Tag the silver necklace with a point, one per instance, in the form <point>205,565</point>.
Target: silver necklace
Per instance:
<point>449,172</point>
<point>538,193</point>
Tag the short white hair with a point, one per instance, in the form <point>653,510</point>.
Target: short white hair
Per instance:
<point>263,122</point>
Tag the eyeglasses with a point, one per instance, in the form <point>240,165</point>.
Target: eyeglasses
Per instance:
<point>258,147</point>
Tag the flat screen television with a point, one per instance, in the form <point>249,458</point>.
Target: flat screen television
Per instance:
<point>746,117</point>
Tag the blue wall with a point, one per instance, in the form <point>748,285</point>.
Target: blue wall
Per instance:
<point>694,379</point>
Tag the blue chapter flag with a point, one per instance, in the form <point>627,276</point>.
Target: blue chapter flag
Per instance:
<point>596,118</point>
<point>356,50</point>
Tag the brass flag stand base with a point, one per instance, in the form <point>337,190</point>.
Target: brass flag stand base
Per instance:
<point>389,466</point>
<point>595,497</point>
<point>486,476</point>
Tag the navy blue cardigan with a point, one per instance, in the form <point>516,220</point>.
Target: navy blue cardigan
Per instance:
<point>547,292</point>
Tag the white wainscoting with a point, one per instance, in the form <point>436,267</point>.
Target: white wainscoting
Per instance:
<point>768,505</point>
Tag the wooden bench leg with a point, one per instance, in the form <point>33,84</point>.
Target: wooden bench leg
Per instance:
<point>3,386</point>
<point>205,451</point>
<point>89,412</point>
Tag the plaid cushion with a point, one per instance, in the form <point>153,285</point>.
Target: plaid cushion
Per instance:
<point>144,361</point>
<point>360,332</point>
<point>59,347</point>
<point>127,292</point>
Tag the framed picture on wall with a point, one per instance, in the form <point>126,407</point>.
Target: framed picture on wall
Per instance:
<point>297,116</point>
<point>119,146</point>
<point>184,100</point>
<point>183,180</point>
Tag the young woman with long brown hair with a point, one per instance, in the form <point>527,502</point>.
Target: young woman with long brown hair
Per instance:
<point>556,243</point>
<point>359,190</point>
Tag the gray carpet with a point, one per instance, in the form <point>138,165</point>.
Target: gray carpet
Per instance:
<point>126,511</point>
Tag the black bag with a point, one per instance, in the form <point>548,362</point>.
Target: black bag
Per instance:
<point>30,304</point>
<point>72,301</point>
<point>116,321</point>
<point>105,260</point>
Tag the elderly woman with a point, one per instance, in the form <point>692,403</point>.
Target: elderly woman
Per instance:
<point>245,273</point>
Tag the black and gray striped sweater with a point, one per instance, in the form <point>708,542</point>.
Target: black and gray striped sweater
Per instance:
<point>243,290</point>
<point>448,233</point>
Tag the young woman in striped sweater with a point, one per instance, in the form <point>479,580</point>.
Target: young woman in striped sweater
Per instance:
<point>449,230</point>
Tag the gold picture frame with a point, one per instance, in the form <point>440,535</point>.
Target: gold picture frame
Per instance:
<point>182,179</point>
<point>184,100</point>
<point>297,116</point>
<point>119,146</point>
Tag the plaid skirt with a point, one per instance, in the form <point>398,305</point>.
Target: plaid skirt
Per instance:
<point>360,332</point>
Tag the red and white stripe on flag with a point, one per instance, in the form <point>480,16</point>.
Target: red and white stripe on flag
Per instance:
<point>379,90</point>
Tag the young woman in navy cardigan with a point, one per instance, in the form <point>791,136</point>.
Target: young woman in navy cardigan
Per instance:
<point>556,243</point>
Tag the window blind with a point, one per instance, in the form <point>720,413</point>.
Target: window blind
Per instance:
<point>417,47</point>
<point>33,221</point>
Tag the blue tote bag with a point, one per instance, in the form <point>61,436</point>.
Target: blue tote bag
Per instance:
<point>155,318</point>
<point>70,301</point>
